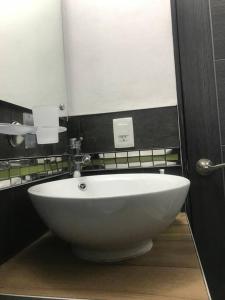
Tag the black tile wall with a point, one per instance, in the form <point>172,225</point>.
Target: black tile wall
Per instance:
<point>201,51</point>
<point>171,171</point>
<point>153,128</point>
<point>20,225</point>
<point>223,151</point>
<point>218,24</point>
<point>19,222</point>
<point>218,21</point>
<point>220,74</point>
<point>9,113</point>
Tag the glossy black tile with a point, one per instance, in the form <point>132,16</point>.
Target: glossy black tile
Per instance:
<point>218,21</point>
<point>20,224</point>
<point>153,128</point>
<point>220,74</point>
<point>202,127</point>
<point>9,113</point>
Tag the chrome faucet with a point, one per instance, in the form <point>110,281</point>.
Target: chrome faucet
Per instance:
<point>77,159</point>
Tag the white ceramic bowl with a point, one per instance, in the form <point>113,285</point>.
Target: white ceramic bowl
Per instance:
<point>115,217</point>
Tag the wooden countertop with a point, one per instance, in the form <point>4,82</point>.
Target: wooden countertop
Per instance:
<point>170,271</point>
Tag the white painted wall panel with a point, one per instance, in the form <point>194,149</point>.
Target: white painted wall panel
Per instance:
<point>119,55</point>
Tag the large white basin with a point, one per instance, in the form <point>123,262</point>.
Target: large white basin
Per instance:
<point>115,217</point>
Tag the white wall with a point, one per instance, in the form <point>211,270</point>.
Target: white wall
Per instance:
<point>119,55</point>
<point>31,52</point>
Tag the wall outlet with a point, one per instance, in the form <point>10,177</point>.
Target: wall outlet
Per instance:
<point>123,133</point>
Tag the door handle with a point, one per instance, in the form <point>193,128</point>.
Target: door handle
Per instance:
<point>205,167</point>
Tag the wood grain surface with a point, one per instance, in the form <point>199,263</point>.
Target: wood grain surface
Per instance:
<point>170,271</point>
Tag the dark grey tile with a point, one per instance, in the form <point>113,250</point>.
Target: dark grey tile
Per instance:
<point>223,152</point>
<point>177,170</point>
<point>9,113</point>
<point>206,201</point>
<point>153,128</point>
<point>218,21</point>
<point>220,74</point>
<point>20,224</point>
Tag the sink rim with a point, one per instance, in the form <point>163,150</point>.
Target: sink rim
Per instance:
<point>35,192</point>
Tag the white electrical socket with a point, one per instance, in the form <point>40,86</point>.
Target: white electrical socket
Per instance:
<point>123,133</point>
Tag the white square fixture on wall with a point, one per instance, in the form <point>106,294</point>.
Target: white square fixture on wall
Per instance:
<point>123,133</point>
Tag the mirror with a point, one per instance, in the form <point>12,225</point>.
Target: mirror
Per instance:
<point>118,54</point>
<point>32,60</point>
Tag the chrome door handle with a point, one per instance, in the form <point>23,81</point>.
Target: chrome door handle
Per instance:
<point>205,167</point>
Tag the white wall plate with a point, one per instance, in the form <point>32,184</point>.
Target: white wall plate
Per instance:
<point>123,133</point>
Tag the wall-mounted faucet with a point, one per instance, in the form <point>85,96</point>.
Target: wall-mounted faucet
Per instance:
<point>76,158</point>
<point>75,144</point>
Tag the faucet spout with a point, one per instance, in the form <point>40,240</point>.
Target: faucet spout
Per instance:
<point>76,174</point>
<point>77,159</point>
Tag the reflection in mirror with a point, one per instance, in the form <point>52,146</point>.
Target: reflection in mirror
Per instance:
<point>32,64</point>
<point>102,60</point>
<point>119,55</point>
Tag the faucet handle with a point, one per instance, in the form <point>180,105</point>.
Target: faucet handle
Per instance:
<point>79,142</point>
<point>75,143</point>
<point>72,143</point>
<point>86,159</point>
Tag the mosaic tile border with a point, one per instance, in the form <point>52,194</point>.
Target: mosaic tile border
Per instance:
<point>14,172</point>
<point>19,171</point>
<point>149,158</point>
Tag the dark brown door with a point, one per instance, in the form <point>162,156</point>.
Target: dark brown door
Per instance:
<point>197,83</point>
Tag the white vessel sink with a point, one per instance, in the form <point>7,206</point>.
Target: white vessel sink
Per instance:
<point>114,217</point>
